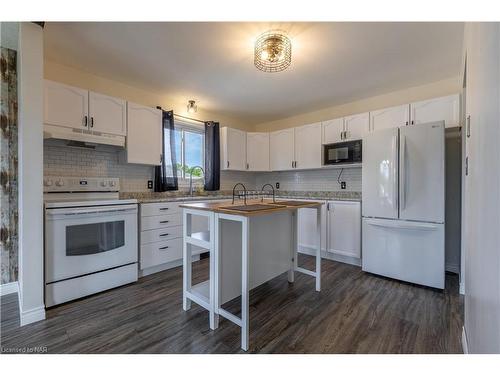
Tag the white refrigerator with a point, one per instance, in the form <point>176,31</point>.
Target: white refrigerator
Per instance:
<point>403,186</point>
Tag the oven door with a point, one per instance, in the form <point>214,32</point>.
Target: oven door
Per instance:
<point>84,240</point>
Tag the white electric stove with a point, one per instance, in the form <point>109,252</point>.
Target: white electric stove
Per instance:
<point>90,237</point>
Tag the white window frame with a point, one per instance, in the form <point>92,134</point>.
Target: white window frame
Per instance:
<point>183,126</point>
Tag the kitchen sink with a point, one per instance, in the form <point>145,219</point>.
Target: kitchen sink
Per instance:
<point>253,207</point>
<point>289,203</point>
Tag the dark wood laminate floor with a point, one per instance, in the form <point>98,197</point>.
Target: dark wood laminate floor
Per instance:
<point>354,313</point>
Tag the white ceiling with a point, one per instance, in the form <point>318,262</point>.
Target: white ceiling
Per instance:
<point>332,63</point>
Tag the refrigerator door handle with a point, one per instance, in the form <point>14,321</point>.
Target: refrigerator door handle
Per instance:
<point>402,225</point>
<point>402,173</point>
<point>394,172</point>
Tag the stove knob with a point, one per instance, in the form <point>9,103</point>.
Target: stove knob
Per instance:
<point>59,183</point>
<point>104,183</point>
<point>112,183</point>
<point>47,182</point>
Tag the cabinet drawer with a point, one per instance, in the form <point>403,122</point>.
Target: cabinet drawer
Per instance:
<point>156,235</point>
<point>155,209</point>
<point>162,221</point>
<point>156,253</point>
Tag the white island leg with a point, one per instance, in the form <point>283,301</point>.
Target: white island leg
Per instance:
<point>186,260</point>
<point>245,286</point>
<point>293,249</point>
<point>318,250</point>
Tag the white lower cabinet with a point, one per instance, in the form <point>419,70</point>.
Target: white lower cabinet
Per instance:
<point>344,228</point>
<point>156,253</point>
<point>341,230</point>
<point>307,239</point>
<point>160,236</point>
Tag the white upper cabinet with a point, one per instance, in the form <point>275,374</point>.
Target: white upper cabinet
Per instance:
<point>344,228</point>
<point>258,151</point>
<point>282,149</point>
<point>356,126</point>
<point>308,146</point>
<point>65,105</point>
<point>107,114</point>
<point>333,130</point>
<point>392,117</point>
<point>76,108</point>
<point>144,136</point>
<point>233,145</point>
<point>445,108</point>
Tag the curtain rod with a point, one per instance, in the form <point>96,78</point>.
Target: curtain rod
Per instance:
<point>184,117</point>
<point>188,118</point>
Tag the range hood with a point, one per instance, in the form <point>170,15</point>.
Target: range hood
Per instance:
<point>86,137</point>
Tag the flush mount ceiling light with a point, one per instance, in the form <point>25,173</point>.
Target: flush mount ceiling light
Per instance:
<point>273,51</point>
<point>192,107</point>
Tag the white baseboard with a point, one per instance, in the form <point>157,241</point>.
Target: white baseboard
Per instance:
<point>9,288</point>
<point>331,256</point>
<point>465,346</point>
<point>32,315</point>
<point>454,268</point>
<point>164,266</point>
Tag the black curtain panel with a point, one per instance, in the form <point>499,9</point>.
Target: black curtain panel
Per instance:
<point>166,173</point>
<point>212,156</point>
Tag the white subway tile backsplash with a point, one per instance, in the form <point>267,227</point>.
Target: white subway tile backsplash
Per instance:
<point>69,161</point>
<point>313,180</point>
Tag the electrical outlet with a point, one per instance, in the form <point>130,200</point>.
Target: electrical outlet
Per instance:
<point>343,185</point>
<point>277,185</point>
<point>150,184</point>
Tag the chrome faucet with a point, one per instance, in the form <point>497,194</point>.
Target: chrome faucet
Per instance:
<point>191,178</point>
<point>262,192</point>
<point>244,194</point>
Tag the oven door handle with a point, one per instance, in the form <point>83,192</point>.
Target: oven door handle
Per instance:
<point>91,210</point>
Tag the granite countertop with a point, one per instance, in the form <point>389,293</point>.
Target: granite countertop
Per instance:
<point>182,196</point>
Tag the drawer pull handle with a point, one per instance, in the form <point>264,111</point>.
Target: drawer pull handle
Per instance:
<point>164,222</point>
<point>164,234</point>
<point>163,248</point>
<point>163,208</point>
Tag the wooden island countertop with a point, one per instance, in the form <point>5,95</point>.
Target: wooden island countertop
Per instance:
<point>252,207</point>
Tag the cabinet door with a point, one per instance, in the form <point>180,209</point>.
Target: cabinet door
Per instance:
<point>107,114</point>
<point>258,151</point>
<point>446,108</point>
<point>332,130</point>
<point>144,135</point>
<point>344,228</point>
<point>233,149</point>
<point>306,227</point>
<point>357,126</point>
<point>282,149</point>
<point>388,118</point>
<point>308,146</point>
<point>65,105</point>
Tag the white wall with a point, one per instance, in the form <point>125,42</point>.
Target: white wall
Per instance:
<point>482,206</point>
<point>30,173</point>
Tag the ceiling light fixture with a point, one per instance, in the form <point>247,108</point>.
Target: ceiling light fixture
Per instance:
<point>192,107</point>
<point>273,51</point>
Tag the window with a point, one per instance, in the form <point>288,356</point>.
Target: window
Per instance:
<point>189,149</point>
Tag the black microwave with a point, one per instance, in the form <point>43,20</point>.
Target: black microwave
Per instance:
<point>343,153</point>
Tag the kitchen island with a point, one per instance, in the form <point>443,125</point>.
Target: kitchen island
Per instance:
<point>249,244</point>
